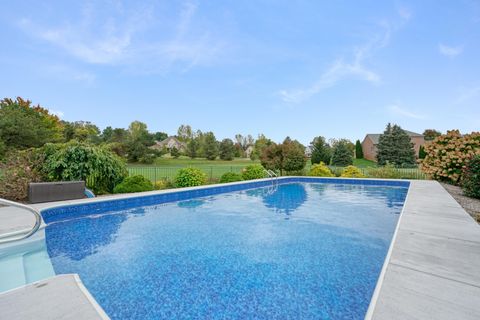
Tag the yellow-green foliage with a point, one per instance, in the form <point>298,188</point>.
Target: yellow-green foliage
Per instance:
<point>163,184</point>
<point>449,153</point>
<point>352,172</point>
<point>320,170</point>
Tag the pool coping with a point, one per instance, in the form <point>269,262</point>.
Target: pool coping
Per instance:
<point>425,200</point>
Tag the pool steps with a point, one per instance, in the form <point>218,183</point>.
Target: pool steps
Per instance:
<point>24,263</point>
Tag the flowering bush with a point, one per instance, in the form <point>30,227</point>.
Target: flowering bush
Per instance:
<point>352,172</point>
<point>447,155</point>
<point>320,170</point>
<point>471,178</point>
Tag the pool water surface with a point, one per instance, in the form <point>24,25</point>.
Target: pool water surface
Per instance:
<point>292,251</point>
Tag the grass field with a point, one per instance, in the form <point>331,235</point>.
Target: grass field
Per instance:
<point>364,163</point>
<point>167,168</point>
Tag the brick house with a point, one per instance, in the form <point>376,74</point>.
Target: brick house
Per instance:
<point>370,142</point>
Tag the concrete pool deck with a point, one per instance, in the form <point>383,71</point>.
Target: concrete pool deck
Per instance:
<point>432,270</point>
<point>433,267</point>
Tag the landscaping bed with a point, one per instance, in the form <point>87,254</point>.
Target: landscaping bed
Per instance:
<point>471,205</point>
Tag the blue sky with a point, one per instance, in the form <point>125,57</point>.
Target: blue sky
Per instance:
<point>297,68</point>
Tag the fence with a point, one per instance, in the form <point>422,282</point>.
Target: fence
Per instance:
<point>381,172</point>
<point>168,173</point>
<point>215,172</point>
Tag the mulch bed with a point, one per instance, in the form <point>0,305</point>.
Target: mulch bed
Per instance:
<point>471,205</point>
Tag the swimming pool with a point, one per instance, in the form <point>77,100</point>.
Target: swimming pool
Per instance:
<point>299,249</point>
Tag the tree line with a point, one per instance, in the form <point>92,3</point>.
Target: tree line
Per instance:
<point>23,126</point>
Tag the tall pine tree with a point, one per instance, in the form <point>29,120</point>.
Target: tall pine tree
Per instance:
<point>395,147</point>
<point>321,151</point>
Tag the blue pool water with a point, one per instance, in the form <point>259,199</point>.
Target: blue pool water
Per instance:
<point>295,251</point>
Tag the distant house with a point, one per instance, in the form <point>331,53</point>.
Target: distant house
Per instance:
<point>249,151</point>
<point>308,151</point>
<point>370,142</point>
<point>169,143</point>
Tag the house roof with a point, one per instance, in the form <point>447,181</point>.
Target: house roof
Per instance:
<point>376,136</point>
<point>161,144</point>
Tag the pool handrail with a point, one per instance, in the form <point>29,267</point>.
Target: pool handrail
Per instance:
<point>36,213</point>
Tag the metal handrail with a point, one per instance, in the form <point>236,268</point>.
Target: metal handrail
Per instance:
<point>36,213</point>
<point>272,173</point>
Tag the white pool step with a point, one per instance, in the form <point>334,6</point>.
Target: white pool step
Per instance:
<point>23,263</point>
<point>12,270</point>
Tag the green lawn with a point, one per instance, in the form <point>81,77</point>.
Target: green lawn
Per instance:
<point>167,168</point>
<point>364,163</point>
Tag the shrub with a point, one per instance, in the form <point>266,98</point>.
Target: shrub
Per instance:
<point>230,177</point>
<point>19,169</point>
<point>253,171</point>
<point>448,154</point>
<point>352,172</point>
<point>163,184</point>
<point>190,177</point>
<point>135,183</point>
<point>471,178</point>
<point>97,166</point>
<point>386,172</point>
<point>320,170</point>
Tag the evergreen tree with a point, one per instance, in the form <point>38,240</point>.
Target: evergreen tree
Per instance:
<point>395,147</point>
<point>210,146</point>
<point>227,149</point>
<point>358,150</point>
<point>321,151</point>
<point>192,148</point>
<point>421,153</point>
<point>342,155</point>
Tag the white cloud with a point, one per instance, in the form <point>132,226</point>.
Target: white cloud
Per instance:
<point>133,38</point>
<point>400,111</point>
<point>356,68</point>
<point>450,51</point>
